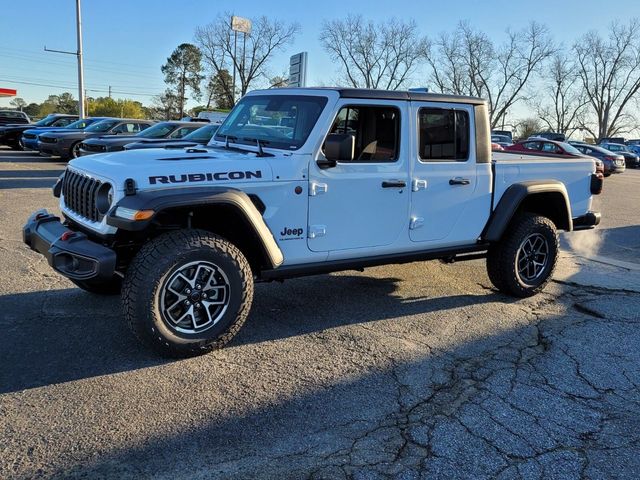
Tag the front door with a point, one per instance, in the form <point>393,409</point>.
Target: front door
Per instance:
<point>363,203</point>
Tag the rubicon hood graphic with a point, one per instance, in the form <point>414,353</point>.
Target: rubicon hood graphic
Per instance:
<point>155,168</point>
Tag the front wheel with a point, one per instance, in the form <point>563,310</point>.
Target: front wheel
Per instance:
<point>187,292</point>
<point>522,263</point>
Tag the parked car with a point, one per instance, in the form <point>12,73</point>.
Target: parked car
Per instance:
<point>30,137</point>
<point>556,137</point>
<point>613,163</point>
<point>67,144</point>
<point>504,133</point>
<point>162,130</point>
<point>634,148</point>
<point>198,137</point>
<point>13,117</point>
<point>501,140</point>
<point>631,159</point>
<point>544,146</point>
<point>11,135</point>
<point>633,141</point>
<point>612,140</point>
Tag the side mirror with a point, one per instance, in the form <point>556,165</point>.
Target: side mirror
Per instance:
<point>338,147</point>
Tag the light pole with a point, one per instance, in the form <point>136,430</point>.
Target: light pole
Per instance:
<point>78,54</point>
<point>243,25</point>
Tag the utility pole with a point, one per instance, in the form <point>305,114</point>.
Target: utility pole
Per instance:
<point>78,54</point>
<point>109,91</point>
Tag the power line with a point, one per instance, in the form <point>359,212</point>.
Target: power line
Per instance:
<point>95,90</point>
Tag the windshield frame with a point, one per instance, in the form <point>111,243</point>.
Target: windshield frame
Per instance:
<point>236,137</point>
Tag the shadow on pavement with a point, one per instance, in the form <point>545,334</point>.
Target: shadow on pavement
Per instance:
<point>62,335</point>
<point>493,407</point>
<point>28,178</point>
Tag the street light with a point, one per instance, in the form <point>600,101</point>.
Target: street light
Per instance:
<point>78,54</point>
<point>243,25</point>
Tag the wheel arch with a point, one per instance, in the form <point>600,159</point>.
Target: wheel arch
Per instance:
<point>227,212</point>
<point>548,198</point>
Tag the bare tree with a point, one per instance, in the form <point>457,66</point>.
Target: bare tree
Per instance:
<point>563,107</point>
<point>468,62</point>
<point>18,102</point>
<point>372,55</point>
<point>267,37</point>
<point>609,70</point>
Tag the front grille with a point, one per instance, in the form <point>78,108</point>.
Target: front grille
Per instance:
<point>48,140</point>
<point>92,148</point>
<point>79,193</point>
<point>30,136</point>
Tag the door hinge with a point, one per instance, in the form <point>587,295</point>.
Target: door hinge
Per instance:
<point>317,189</point>
<point>418,184</point>
<point>315,231</point>
<point>416,222</point>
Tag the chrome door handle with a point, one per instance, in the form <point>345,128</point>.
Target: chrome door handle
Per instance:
<point>459,181</point>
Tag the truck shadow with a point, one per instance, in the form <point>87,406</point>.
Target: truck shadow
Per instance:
<point>28,178</point>
<point>64,335</point>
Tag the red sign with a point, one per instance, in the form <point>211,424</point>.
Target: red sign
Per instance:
<point>8,92</point>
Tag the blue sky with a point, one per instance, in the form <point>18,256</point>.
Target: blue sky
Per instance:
<point>125,42</point>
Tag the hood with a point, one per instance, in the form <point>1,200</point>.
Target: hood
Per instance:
<point>40,130</point>
<point>112,140</point>
<point>66,133</point>
<point>174,143</point>
<point>159,168</point>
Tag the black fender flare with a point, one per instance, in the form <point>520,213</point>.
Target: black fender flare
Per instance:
<point>159,200</point>
<point>513,198</point>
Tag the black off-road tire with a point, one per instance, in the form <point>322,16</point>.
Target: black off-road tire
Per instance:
<point>110,287</point>
<point>502,257</point>
<point>149,275</point>
<point>16,146</point>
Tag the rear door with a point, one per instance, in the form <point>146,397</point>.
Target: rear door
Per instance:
<point>451,193</point>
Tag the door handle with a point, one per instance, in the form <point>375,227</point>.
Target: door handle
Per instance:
<point>459,181</point>
<point>394,184</point>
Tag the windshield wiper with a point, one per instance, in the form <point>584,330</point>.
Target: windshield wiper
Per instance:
<point>259,143</point>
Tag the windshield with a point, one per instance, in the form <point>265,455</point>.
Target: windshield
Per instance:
<point>615,148</point>
<point>279,121</point>
<point>570,148</point>
<point>159,130</point>
<point>80,124</point>
<point>46,121</point>
<point>203,134</point>
<point>101,126</point>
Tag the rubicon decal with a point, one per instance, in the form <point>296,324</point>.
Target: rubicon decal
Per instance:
<point>205,177</point>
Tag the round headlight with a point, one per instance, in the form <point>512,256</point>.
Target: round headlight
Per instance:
<point>104,198</point>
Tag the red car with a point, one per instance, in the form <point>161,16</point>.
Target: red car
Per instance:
<point>546,147</point>
<point>551,148</point>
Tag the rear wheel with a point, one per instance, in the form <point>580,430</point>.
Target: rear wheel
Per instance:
<point>523,262</point>
<point>187,292</point>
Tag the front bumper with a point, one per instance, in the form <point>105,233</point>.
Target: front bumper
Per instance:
<point>55,149</point>
<point>30,143</point>
<point>68,252</point>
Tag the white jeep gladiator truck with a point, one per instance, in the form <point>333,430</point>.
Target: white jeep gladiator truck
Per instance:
<point>306,181</point>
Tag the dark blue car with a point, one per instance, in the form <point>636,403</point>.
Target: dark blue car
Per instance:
<point>30,137</point>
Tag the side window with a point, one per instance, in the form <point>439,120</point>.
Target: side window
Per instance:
<point>444,134</point>
<point>532,145</point>
<point>376,131</point>
<point>550,148</point>
<point>120,128</point>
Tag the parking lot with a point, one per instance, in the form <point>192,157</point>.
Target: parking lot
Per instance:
<point>407,371</point>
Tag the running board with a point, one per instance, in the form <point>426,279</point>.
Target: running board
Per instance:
<point>460,253</point>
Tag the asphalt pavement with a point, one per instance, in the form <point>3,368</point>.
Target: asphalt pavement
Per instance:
<point>408,372</point>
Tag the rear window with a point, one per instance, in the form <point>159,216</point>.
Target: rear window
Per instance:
<point>444,134</point>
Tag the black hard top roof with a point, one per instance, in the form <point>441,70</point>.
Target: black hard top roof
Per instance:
<point>406,95</point>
